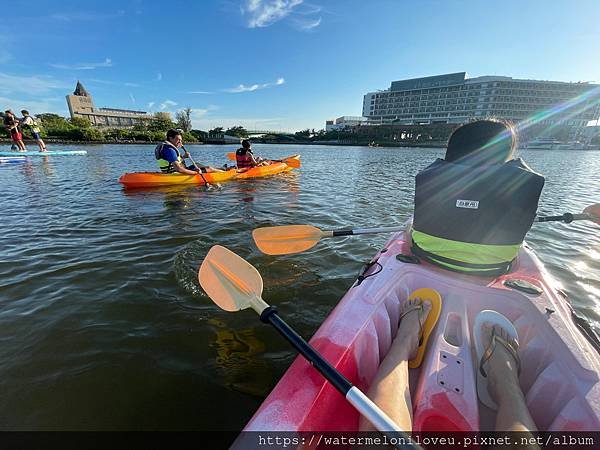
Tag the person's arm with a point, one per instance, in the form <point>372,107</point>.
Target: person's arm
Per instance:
<point>171,155</point>
<point>182,169</point>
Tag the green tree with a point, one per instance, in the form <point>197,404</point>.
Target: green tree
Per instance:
<point>237,131</point>
<point>91,134</point>
<point>161,121</point>
<point>303,133</point>
<point>81,122</point>
<point>184,119</point>
<point>216,131</point>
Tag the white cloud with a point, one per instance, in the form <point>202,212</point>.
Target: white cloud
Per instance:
<point>253,87</point>
<point>199,92</point>
<point>151,104</point>
<point>30,84</point>
<point>167,103</point>
<point>132,98</point>
<point>159,76</point>
<point>113,83</point>
<point>308,25</point>
<point>262,13</point>
<point>83,66</point>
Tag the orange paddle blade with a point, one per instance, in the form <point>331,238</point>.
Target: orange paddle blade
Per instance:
<point>231,156</point>
<point>292,161</point>
<point>286,239</point>
<point>229,280</point>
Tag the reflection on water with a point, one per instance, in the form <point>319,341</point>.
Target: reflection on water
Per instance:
<point>239,364</point>
<point>101,314</point>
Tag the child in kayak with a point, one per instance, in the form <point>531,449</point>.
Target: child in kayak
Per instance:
<point>245,159</point>
<point>474,207</point>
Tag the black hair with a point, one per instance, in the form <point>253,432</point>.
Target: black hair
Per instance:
<point>24,111</point>
<point>246,143</point>
<point>482,142</point>
<point>173,132</point>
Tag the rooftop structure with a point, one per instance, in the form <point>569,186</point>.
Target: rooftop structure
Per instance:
<point>81,105</point>
<point>344,121</point>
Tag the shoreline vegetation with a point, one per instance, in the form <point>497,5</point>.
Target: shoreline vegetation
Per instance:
<point>30,141</point>
<point>56,129</point>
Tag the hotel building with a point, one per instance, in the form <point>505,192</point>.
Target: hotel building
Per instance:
<point>81,105</point>
<point>455,98</point>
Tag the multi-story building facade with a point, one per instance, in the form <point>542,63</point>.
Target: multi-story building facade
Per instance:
<point>455,98</point>
<point>344,121</point>
<point>81,105</point>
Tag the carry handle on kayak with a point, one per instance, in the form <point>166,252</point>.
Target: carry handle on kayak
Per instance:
<point>287,239</point>
<point>234,284</point>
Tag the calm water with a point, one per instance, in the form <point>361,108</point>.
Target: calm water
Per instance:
<point>102,322</point>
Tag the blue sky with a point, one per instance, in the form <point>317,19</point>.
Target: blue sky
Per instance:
<point>279,64</point>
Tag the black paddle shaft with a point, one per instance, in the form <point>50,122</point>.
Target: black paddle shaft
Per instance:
<point>270,315</point>
<point>566,218</point>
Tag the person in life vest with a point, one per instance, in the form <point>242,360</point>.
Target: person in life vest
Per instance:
<point>11,123</point>
<point>474,207</point>
<point>33,126</point>
<point>245,159</point>
<point>170,160</point>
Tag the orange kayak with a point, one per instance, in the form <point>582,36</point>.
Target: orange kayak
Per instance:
<point>154,179</point>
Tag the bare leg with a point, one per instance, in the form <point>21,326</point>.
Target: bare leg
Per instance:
<point>21,145</point>
<point>41,145</point>
<point>390,390</point>
<point>503,386</point>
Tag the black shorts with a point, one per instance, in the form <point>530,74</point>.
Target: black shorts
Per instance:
<point>202,169</point>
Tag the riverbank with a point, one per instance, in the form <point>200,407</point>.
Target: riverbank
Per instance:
<point>425,144</point>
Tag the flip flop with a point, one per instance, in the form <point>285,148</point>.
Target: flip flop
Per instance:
<point>483,354</point>
<point>434,297</point>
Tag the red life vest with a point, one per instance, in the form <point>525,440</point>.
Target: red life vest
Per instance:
<point>244,159</point>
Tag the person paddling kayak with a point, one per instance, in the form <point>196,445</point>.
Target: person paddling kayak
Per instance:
<point>245,159</point>
<point>474,207</point>
<point>170,160</point>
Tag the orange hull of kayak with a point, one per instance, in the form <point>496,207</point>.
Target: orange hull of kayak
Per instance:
<point>155,179</point>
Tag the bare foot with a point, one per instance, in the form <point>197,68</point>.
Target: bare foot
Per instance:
<point>407,338</point>
<point>501,367</point>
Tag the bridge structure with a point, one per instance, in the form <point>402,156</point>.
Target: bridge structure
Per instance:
<point>257,133</point>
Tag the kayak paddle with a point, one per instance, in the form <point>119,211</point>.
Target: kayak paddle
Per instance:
<point>292,161</point>
<point>287,239</point>
<point>234,284</point>
<point>206,183</point>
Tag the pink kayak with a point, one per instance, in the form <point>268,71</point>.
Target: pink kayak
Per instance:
<point>560,367</point>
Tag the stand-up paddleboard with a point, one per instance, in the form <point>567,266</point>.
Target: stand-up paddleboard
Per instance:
<point>46,153</point>
<point>12,159</point>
